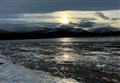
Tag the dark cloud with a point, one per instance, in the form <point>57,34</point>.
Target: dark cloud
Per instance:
<point>41,6</point>
<point>86,19</point>
<point>100,14</point>
<point>115,18</point>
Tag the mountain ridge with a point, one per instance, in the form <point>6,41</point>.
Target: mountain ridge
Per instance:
<point>60,31</point>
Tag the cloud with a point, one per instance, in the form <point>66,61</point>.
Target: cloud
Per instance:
<point>115,18</point>
<point>110,17</point>
<point>86,24</point>
<point>101,15</point>
<point>86,18</point>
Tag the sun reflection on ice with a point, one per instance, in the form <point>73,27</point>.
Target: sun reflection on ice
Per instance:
<point>65,39</point>
<point>67,81</point>
<point>66,58</point>
<point>66,54</point>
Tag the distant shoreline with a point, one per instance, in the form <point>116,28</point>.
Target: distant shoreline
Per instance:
<point>32,35</point>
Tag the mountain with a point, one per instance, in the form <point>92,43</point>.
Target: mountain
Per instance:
<point>106,29</point>
<point>37,31</point>
<point>62,28</point>
<point>65,29</point>
<point>3,31</point>
<point>23,27</point>
<point>69,28</point>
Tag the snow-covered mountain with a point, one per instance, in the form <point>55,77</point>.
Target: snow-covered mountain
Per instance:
<point>64,28</point>
<point>70,28</point>
<point>23,28</point>
<point>10,28</point>
<point>3,31</point>
<point>106,29</point>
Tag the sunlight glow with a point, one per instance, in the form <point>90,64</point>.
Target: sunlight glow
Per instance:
<point>64,20</point>
<point>67,81</point>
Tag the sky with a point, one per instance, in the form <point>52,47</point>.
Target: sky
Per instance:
<point>60,11</point>
<point>42,6</point>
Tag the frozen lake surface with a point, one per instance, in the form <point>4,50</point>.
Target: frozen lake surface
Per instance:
<point>60,60</point>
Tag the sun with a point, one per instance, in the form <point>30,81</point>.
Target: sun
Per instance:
<point>64,20</point>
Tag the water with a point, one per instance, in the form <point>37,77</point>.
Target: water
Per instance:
<point>86,60</point>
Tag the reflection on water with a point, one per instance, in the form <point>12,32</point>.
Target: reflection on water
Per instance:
<point>67,81</point>
<point>66,57</point>
<point>64,39</point>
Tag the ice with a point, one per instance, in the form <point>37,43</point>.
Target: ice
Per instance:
<point>109,80</point>
<point>64,59</point>
<point>12,73</point>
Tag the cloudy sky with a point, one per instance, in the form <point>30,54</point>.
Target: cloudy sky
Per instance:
<point>60,11</point>
<point>40,6</point>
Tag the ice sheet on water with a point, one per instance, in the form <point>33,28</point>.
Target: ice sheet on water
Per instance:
<point>11,73</point>
<point>14,73</point>
<point>86,59</point>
